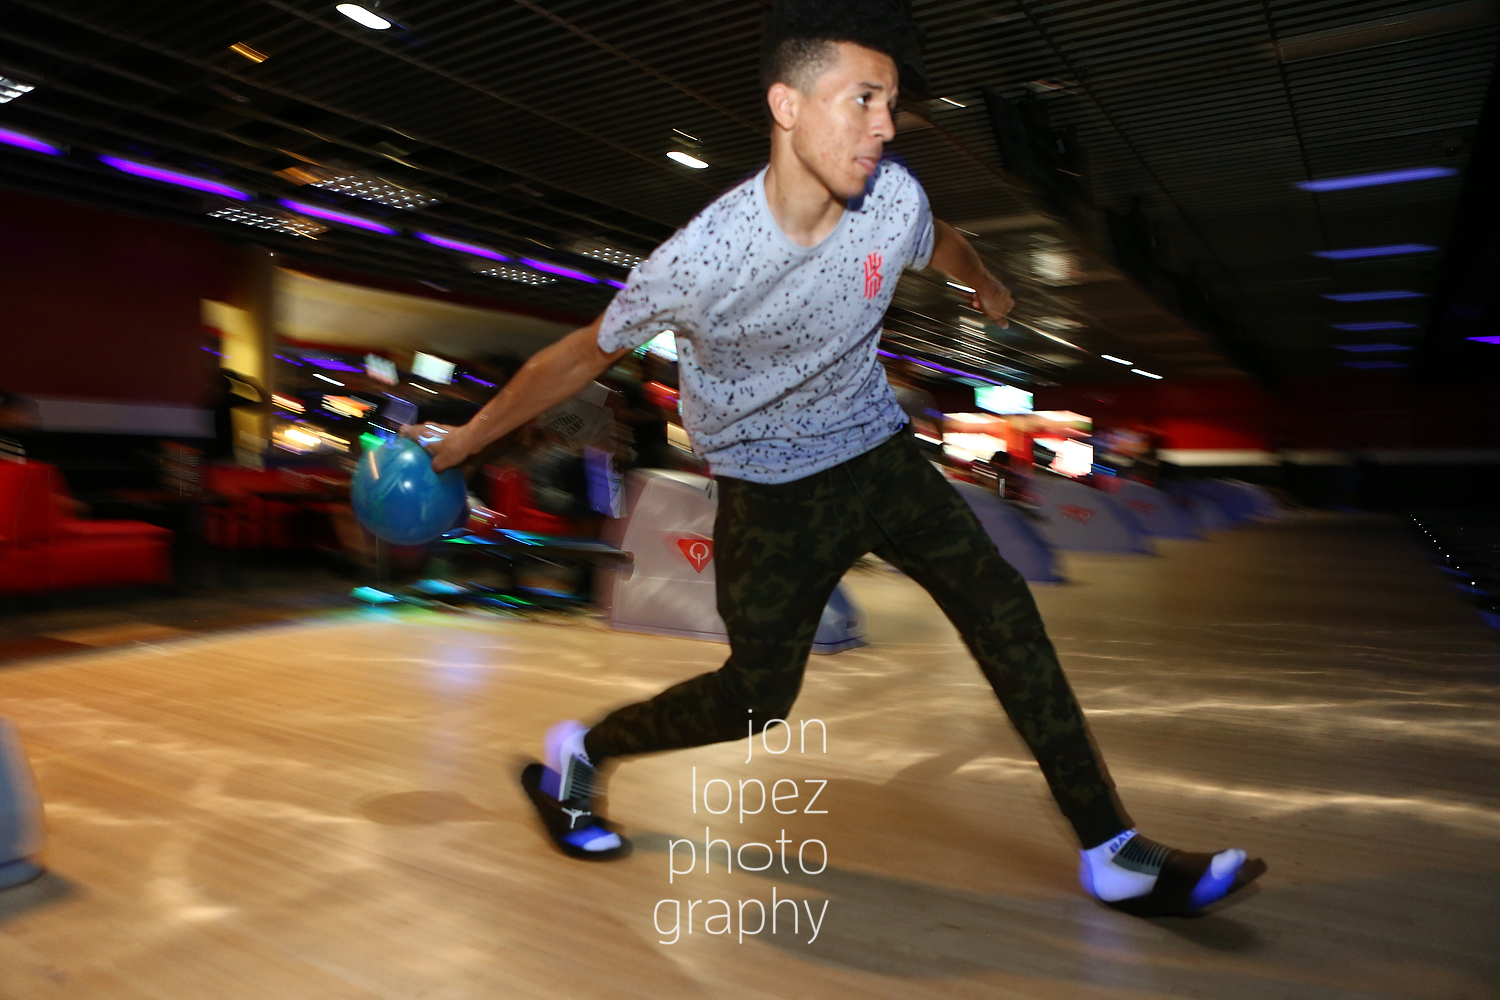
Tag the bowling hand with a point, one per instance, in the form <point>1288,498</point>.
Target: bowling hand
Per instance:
<point>994,300</point>
<point>449,445</point>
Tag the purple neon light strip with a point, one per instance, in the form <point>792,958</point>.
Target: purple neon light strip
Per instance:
<point>612,282</point>
<point>1373,364</point>
<point>1384,324</point>
<point>566,272</point>
<point>149,172</point>
<point>1373,296</point>
<point>1371,180</point>
<point>1485,340</point>
<point>1374,348</point>
<point>937,367</point>
<point>1356,253</point>
<point>25,141</point>
<point>332,216</point>
<point>471,248</point>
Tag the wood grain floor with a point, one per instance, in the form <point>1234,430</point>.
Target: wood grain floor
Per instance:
<point>329,810</point>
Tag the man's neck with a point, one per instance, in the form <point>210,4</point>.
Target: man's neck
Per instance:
<point>803,207</point>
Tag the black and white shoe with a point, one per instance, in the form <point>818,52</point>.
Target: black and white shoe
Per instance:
<point>563,792</point>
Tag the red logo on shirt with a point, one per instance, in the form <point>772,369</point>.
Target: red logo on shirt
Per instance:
<point>1080,514</point>
<point>873,280</point>
<point>697,550</point>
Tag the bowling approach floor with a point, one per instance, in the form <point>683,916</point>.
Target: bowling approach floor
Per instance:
<point>328,809</point>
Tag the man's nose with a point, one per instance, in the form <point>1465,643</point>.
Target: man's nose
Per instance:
<point>884,127</point>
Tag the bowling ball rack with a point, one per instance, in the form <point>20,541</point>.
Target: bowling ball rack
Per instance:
<point>506,550</point>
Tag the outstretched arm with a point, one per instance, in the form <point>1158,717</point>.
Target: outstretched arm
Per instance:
<point>953,255</point>
<point>551,375</point>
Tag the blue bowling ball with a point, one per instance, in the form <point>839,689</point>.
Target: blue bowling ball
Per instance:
<point>399,498</point>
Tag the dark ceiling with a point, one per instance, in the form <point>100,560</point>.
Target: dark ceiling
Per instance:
<point>542,130</point>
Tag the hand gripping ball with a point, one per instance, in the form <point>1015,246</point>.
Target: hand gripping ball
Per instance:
<point>399,498</point>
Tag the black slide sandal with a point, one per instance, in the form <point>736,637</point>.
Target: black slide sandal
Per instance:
<point>1182,874</point>
<point>559,823</point>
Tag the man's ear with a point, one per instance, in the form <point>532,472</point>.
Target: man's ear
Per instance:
<point>784,101</point>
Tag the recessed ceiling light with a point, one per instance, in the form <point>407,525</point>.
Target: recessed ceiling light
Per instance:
<point>319,212</point>
<point>355,12</point>
<point>1392,250</point>
<point>277,222</point>
<point>686,159</point>
<point>1054,266</point>
<point>249,52</point>
<point>608,254</point>
<point>1140,371</point>
<point>178,178</point>
<point>358,184</point>
<point>1058,323</point>
<point>1374,296</point>
<point>23,141</point>
<point>1118,361</point>
<point>517,274</point>
<point>1372,180</point>
<point>12,89</point>
<point>1384,324</point>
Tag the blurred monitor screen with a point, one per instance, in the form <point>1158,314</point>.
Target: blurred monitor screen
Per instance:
<point>381,369</point>
<point>399,412</point>
<point>1002,399</point>
<point>663,345</point>
<point>431,368</point>
<point>347,406</point>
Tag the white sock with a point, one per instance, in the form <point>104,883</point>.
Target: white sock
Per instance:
<point>1111,878</point>
<point>576,777</point>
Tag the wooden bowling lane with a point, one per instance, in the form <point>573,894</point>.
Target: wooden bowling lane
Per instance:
<point>329,810</point>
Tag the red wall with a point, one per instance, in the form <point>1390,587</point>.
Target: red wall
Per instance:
<point>99,305</point>
<point>1371,411</point>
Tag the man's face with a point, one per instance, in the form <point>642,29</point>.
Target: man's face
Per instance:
<point>840,129</point>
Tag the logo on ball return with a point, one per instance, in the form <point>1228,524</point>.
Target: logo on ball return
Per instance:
<point>697,551</point>
<point>1080,514</point>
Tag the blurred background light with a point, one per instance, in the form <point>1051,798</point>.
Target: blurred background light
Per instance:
<point>166,176</point>
<point>1372,180</point>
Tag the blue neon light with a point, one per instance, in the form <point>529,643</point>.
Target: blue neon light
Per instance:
<point>1371,180</point>
<point>320,212</point>
<point>1356,253</point>
<point>461,247</point>
<point>1384,324</point>
<point>1374,296</point>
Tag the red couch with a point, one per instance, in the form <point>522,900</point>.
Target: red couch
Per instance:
<point>264,508</point>
<point>44,548</point>
<point>508,493</point>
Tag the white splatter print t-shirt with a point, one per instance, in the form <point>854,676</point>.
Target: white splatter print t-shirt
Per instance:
<point>776,342</point>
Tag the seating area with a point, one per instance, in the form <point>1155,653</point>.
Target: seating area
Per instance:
<point>46,548</point>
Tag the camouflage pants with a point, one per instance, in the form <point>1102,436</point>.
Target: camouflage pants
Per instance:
<point>781,549</point>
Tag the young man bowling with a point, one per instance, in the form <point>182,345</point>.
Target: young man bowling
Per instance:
<point>776,293</point>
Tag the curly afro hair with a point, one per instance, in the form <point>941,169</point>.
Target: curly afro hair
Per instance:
<point>798,37</point>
